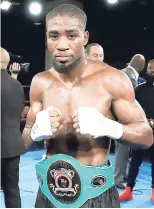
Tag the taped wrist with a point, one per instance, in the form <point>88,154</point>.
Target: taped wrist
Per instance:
<point>115,129</point>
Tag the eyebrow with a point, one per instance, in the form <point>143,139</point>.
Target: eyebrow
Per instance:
<point>67,31</point>
<point>52,32</point>
<point>72,31</point>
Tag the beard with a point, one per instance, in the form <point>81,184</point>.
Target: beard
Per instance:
<point>63,67</point>
<point>150,78</point>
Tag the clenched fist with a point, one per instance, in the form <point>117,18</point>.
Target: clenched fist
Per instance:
<point>46,124</point>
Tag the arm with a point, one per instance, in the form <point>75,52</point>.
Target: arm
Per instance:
<point>35,107</point>
<point>136,129</point>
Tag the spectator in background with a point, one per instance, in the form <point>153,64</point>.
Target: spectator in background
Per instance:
<point>25,111</point>
<point>15,70</point>
<point>133,69</point>
<point>12,146</point>
<point>145,96</point>
<point>94,52</point>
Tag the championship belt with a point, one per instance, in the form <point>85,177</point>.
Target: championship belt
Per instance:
<point>69,184</point>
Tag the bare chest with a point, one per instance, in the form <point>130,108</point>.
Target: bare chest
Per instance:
<point>68,100</point>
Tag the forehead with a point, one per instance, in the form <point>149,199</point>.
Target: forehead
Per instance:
<point>96,49</point>
<point>63,23</point>
<point>151,64</point>
<point>26,107</point>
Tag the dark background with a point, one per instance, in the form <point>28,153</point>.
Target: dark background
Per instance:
<point>123,30</point>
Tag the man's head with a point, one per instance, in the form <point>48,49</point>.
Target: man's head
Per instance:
<point>138,62</point>
<point>66,36</point>
<point>150,68</point>
<point>26,109</point>
<point>4,59</point>
<point>94,52</point>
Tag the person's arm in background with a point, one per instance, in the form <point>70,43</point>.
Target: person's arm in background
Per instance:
<point>15,70</point>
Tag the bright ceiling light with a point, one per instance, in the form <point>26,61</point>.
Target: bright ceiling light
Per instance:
<point>5,5</point>
<point>112,1</point>
<point>35,8</point>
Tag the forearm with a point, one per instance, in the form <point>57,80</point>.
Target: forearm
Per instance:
<point>26,135</point>
<point>138,134</point>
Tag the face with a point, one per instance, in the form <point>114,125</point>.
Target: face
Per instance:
<point>96,53</point>
<point>26,109</point>
<point>66,40</point>
<point>150,69</point>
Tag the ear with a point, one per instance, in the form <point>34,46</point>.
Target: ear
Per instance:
<point>86,37</point>
<point>86,55</point>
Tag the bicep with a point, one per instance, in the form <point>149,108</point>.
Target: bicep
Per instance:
<point>31,116</point>
<point>35,102</point>
<point>128,111</point>
<point>125,107</point>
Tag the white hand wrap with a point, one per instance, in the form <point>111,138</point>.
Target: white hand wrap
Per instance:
<point>94,123</point>
<point>42,126</point>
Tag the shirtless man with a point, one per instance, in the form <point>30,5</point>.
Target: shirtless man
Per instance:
<point>71,106</point>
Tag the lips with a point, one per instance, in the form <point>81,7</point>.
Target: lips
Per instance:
<point>63,58</point>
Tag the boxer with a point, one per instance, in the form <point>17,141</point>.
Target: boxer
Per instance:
<point>71,107</point>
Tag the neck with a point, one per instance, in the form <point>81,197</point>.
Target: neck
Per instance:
<point>14,76</point>
<point>75,75</point>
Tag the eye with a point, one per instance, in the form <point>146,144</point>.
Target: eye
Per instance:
<point>53,37</point>
<point>72,36</point>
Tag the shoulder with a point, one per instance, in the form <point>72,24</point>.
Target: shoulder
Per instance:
<point>102,68</point>
<point>126,69</point>
<point>15,82</point>
<point>42,79</point>
<point>40,82</point>
<point>111,74</point>
<point>43,76</point>
<point>116,82</point>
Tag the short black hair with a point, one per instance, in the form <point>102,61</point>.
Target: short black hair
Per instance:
<point>70,11</point>
<point>88,47</point>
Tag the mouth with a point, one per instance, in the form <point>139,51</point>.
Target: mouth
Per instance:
<point>63,58</point>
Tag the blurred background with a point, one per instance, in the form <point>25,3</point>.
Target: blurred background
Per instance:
<point>122,27</point>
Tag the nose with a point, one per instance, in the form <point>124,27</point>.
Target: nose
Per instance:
<point>100,59</point>
<point>62,44</point>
